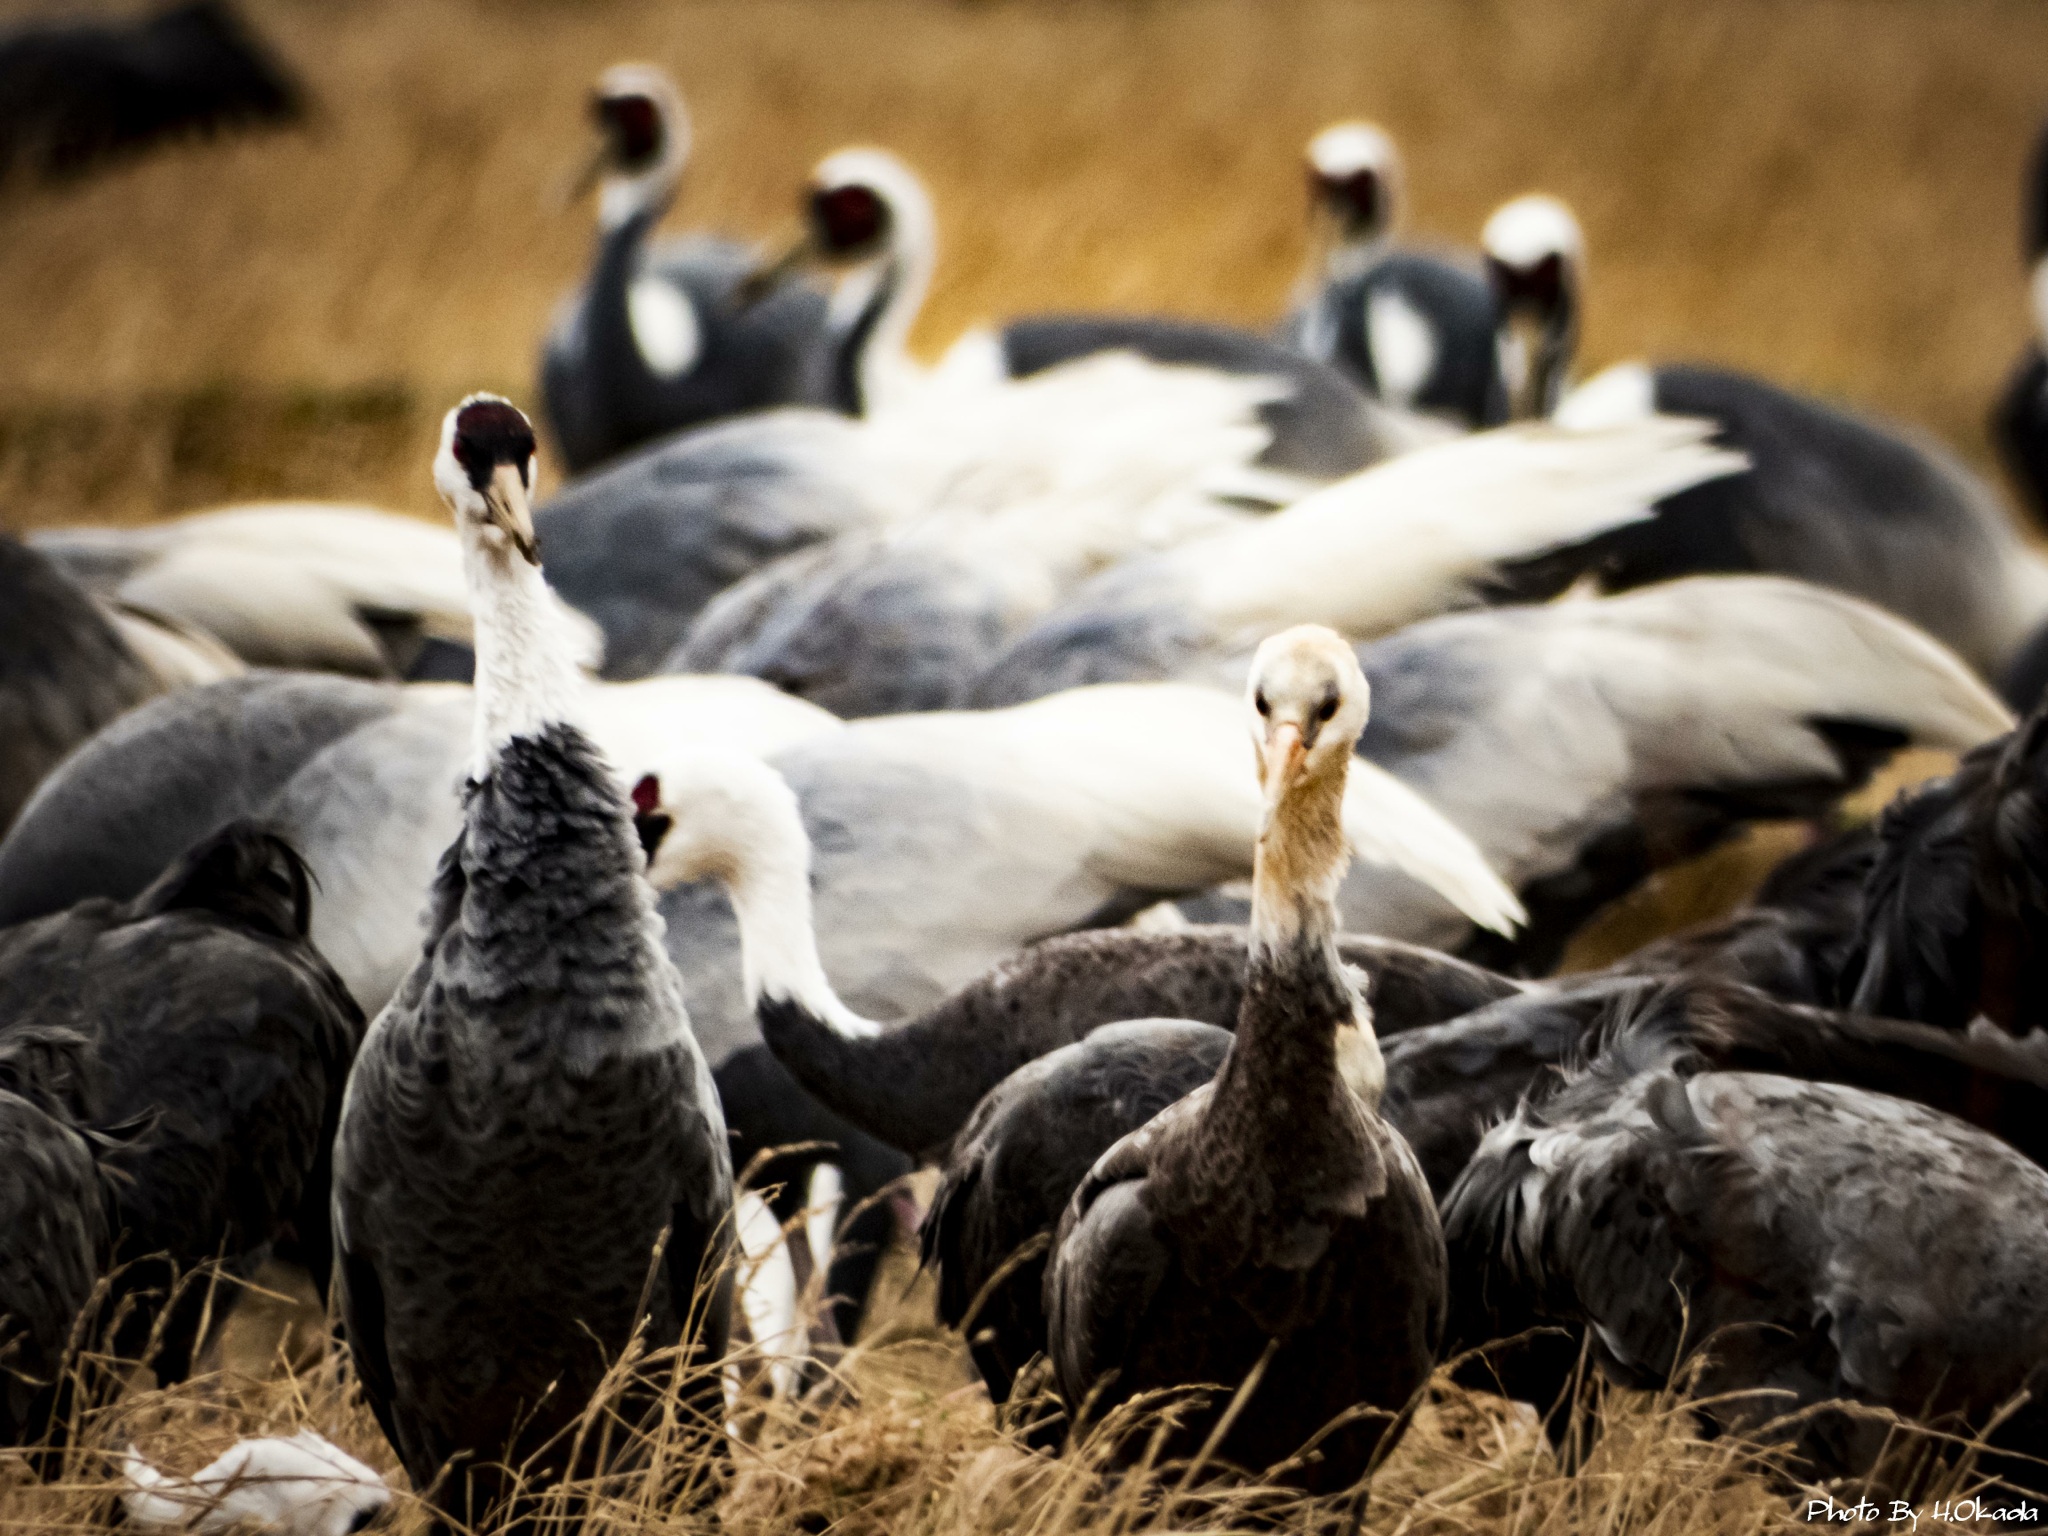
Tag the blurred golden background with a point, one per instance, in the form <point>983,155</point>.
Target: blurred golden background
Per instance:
<point>1825,191</point>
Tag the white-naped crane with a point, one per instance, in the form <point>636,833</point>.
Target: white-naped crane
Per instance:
<point>659,338</point>
<point>1269,1234</point>
<point>1413,327</point>
<point>643,545</point>
<point>1405,540</point>
<point>531,1175</point>
<point>1832,496</point>
<point>210,1047</point>
<point>869,218</point>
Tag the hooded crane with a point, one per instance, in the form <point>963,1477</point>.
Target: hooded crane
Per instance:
<point>868,215</point>
<point>532,1165</point>
<point>1269,1233</point>
<point>65,671</point>
<point>1832,497</point>
<point>1413,328</point>
<point>216,1043</point>
<point>56,1226</point>
<point>658,339</point>
<point>1806,1245</point>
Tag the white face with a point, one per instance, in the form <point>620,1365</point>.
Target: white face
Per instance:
<point>1344,149</point>
<point>1309,702</point>
<point>1523,232</point>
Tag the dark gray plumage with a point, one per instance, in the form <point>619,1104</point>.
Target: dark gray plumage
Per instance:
<point>1832,497</point>
<point>865,625</point>
<point>1954,913</point>
<point>219,1037</point>
<point>64,672</point>
<point>1451,306</point>
<point>643,544</point>
<point>531,1164</point>
<point>1269,1234</point>
<point>1020,1157</point>
<point>1323,428</point>
<point>155,782</point>
<point>78,95</point>
<point>56,1230</point>
<point>915,1085</point>
<point>1811,1241</point>
<point>605,399</point>
<point>481,1261</point>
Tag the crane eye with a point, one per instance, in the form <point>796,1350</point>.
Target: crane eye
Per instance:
<point>1259,702</point>
<point>1329,707</point>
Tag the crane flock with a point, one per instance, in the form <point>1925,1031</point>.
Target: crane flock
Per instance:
<point>845,773</point>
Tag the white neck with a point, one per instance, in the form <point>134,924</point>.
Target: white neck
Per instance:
<point>1348,258</point>
<point>623,199</point>
<point>884,362</point>
<point>738,821</point>
<point>526,676</point>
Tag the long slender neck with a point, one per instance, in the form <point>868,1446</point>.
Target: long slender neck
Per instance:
<point>637,201</point>
<point>1348,253</point>
<point>779,943</point>
<point>526,674</point>
<point>763,857</point>
<point>873,312</point>
<point>1303,1025</point>
<point>1550,370</point>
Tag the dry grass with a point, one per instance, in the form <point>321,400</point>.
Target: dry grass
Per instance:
<point>900,1442</point>
<point>1821,189</point>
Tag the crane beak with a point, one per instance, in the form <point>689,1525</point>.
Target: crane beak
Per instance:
<point>1281,761</point>
<point>769,276</point>
<point>506,509</point>
<point>572,189</point>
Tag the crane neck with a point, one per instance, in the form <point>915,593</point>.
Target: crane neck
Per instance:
<point>1304,1026</point>
<point>526,672</point>
<point>872,314</point>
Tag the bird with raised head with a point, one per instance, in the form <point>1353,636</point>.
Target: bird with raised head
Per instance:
<point>659,338</point>
<point>1414,327</point>
<point>531,1172</point>
<point>1832,496</point>
<point>1269,1235</point>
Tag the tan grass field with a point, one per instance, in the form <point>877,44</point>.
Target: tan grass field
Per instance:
<point>1822,190</point>
<point>1825,190</point>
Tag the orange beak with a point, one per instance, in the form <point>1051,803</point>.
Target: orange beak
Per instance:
<point>1280,762</point>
